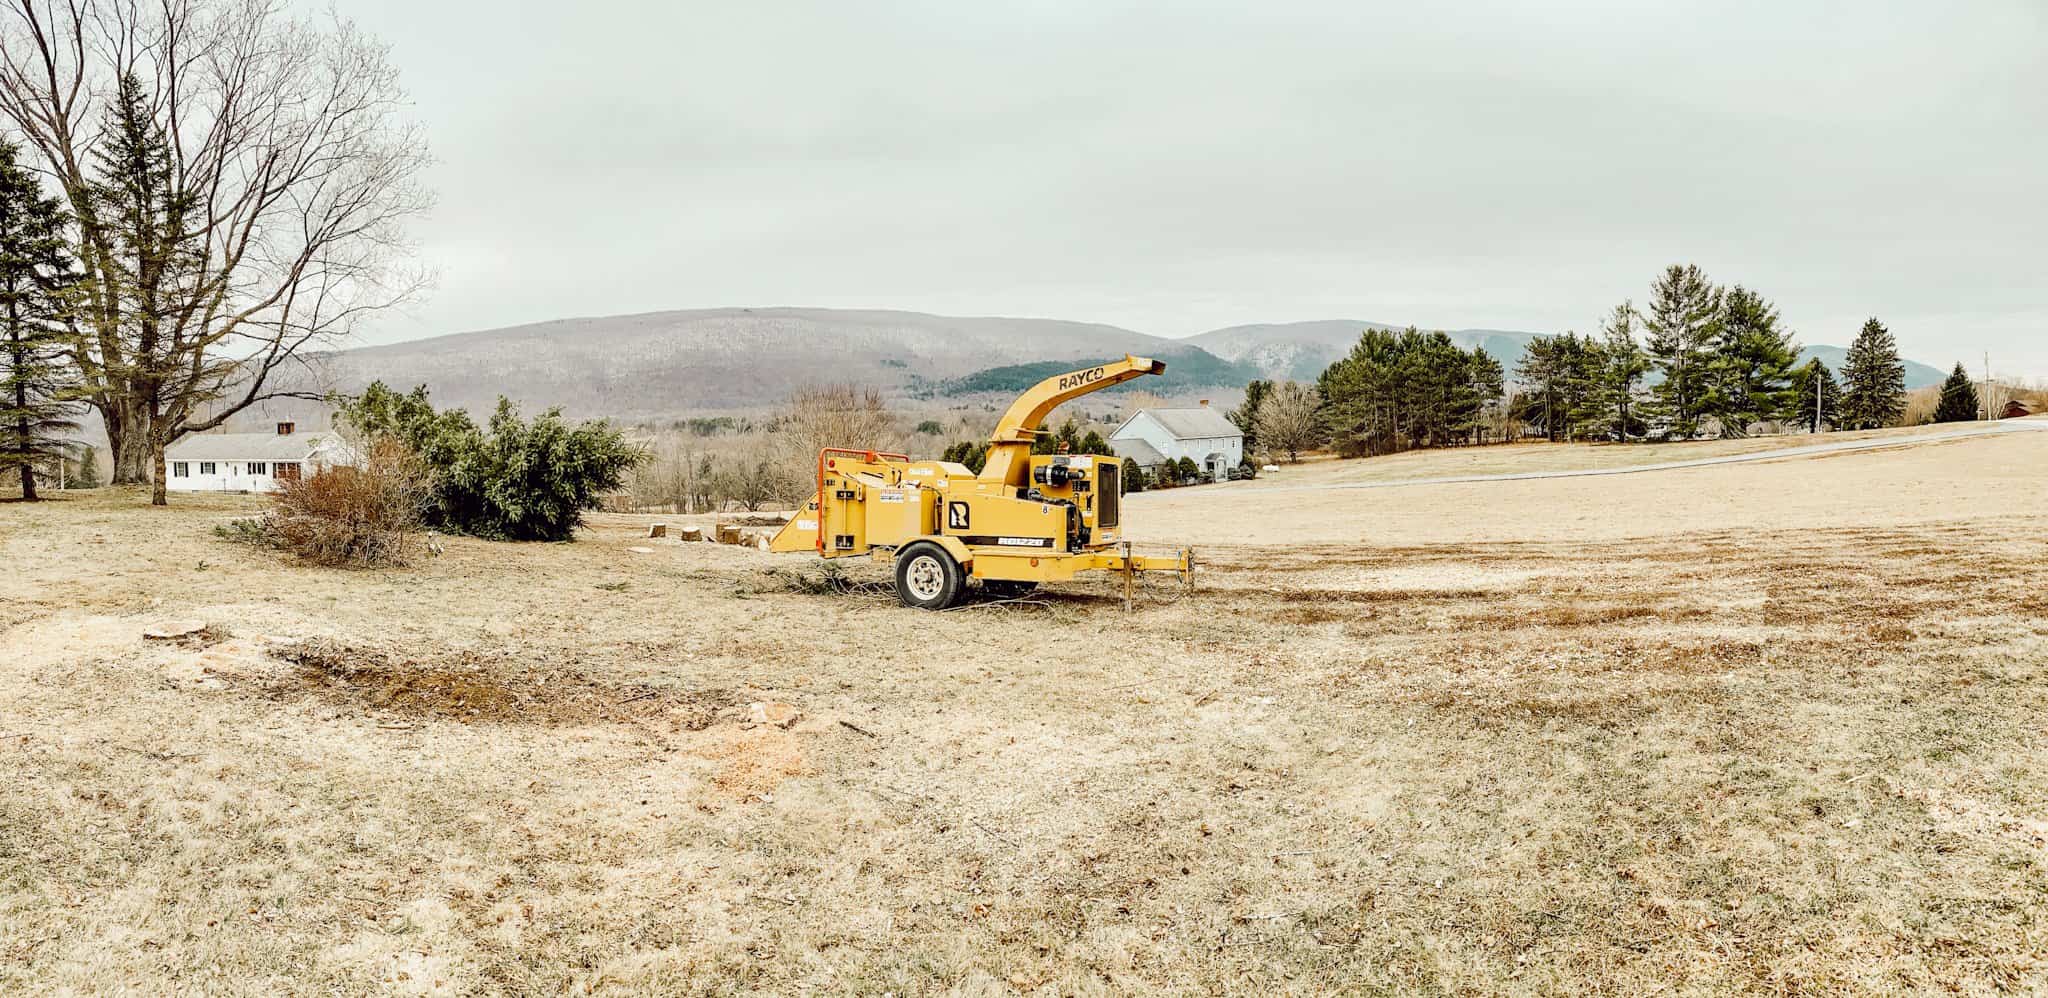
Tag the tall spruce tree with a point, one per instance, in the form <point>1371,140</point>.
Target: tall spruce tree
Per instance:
<point>1959,402</point>
<point>1485,381</point>
<point>155,260</point>
<point>1246,416</point>
<point>1684,315</point>
<point>88,474</point>
<point>37,385</point>
<point>1752,363</point>
<point>1873,380</point>
<point>1816,399</point>
<point>1622,367</point>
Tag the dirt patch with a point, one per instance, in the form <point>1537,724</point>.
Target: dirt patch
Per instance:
<point>470,686</point>
<point>749,763</point>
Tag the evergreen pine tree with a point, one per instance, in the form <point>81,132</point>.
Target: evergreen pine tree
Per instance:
<point>37,386</point>
<point>1246,416</point>
<point>1752,363</point>
<point>88,467</point>
<point>1873,380</point>
<point>1685,310</point>
<point>155,259</point>
<point>1484,382</point>
<point>1407,389</point>
<point>1958,398</point>
<point>1816,399</point>
<point>1562,374</point>
<point>1622,366</point>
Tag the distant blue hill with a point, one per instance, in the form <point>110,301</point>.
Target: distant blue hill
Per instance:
<point>1918,375</point>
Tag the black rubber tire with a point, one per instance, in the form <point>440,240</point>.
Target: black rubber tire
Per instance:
<point>1008,588</point>
<point>927,578</point>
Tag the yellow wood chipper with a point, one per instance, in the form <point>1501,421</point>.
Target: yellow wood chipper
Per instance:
<point>1025,519</point>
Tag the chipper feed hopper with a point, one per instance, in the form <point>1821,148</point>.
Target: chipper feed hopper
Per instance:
<point>1025,519</point>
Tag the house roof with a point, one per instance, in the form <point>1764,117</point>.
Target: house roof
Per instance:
<point>1190,424</point>
<point>245,447</point>
<point>1138,450</point>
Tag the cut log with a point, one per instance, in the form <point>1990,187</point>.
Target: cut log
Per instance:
<point>173,630</point>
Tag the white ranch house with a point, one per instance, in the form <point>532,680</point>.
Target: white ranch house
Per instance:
<point>1203,435</point>
<point>250,462</point>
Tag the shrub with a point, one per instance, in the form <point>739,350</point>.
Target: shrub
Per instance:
<point>359,516</point>
<point>511,480</point>
<point>1133,477</point>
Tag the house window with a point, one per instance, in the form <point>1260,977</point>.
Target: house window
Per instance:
<point>180,469</point>
<point>258,468</point>
<point>286,471</point>
<point>206,467</point>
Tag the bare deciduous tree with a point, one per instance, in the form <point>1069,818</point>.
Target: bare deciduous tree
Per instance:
<point>1290,419</point>
<point>239,180</point>
<point>830,416</point>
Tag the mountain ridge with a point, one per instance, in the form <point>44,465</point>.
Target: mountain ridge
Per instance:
<point>666,363</point>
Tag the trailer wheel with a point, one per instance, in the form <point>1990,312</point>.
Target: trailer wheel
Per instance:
<point>928,578</point>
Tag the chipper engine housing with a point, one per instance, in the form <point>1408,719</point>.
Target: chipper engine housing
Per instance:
<point>1025,519</point>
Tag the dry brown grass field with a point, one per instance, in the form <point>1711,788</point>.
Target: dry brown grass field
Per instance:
<point>1770,727</point>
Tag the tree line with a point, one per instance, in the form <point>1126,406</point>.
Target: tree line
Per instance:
<point>1393,391</point>
<point>228,190</point>
<point>1696,358</point>
<point>1701,357</point>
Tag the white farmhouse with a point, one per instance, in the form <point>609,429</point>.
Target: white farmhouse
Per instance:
<point>1202,435</point>
<point>251,462</point>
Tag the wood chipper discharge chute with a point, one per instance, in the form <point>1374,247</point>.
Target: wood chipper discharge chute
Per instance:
<point>1025,519</point>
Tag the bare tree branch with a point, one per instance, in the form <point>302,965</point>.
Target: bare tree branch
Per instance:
<point>293,170</point>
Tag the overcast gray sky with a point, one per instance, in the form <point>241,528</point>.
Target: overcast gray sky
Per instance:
<point>1178,167</point>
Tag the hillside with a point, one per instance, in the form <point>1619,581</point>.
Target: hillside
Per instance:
<point>1186,371</point>
<point>663,363</point>
<point>1300,350</point>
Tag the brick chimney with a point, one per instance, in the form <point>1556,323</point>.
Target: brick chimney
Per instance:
<point>286,429</point>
